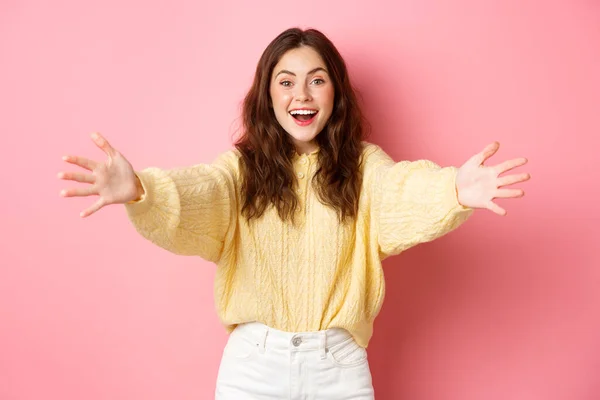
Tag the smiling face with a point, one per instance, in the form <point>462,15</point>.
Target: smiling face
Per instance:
<point>302,96</point>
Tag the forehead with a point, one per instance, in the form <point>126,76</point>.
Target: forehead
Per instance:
<point>300,60</point>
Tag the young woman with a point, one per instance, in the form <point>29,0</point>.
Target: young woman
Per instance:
<point>298,219</point>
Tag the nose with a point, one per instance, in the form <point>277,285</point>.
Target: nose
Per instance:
<point>302,93</point>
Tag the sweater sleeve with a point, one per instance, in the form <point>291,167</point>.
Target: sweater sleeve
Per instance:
<point>412,202</point>
<point>188,211</point>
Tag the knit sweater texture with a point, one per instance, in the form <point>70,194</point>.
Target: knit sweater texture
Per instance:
<point>314,274</point>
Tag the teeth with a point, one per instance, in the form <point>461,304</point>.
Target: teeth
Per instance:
<point>303,112</point>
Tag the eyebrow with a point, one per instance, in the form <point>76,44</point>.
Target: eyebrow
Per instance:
<point>312,71</point>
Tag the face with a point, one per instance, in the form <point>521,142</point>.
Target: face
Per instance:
<point>302,96</point>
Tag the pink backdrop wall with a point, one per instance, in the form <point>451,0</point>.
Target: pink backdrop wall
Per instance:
<point>504,308</point>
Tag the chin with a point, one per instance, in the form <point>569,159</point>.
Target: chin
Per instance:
<point>304,139</point>
<point>301,136</point>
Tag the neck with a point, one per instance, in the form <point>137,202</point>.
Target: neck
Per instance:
<point>306,148</point>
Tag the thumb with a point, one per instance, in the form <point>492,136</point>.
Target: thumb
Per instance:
<point>488,151</point>
<point>95,207</point>
<point>479,158</point>
<point>103,144</point>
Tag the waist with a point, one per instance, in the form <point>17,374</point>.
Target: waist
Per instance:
<point>271,338</point>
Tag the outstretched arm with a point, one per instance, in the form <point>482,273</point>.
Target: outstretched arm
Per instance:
<point>189,211</point>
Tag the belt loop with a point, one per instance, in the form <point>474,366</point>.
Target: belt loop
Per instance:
<point>323,345</point>
<point>263,342</point>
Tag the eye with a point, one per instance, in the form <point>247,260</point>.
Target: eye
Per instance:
<point>285,83</point>
<point>318,81</point>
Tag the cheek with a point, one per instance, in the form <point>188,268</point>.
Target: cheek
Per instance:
<point>331,97</point>
<point>281,101</point>
<point>326,98</point>
<point>285,98</point>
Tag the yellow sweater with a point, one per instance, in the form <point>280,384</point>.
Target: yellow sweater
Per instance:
<point>314,275</point>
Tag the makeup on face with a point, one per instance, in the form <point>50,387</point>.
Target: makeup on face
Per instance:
<point>302,95</point>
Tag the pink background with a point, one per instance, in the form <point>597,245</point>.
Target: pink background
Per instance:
<point>503,308</point>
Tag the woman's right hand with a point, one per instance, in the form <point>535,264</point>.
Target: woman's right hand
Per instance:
<point>113,180</point>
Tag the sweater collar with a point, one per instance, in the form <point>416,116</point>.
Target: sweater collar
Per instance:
<point>312,154</point>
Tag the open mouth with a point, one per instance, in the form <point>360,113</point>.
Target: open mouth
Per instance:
<point>303,115</point>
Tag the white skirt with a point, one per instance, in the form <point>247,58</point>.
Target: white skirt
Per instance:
<point>260,362</point>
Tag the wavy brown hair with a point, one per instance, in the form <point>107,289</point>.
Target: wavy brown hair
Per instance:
<point>266,148</point>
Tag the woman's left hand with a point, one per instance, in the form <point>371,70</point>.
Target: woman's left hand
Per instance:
<point>478,185</point>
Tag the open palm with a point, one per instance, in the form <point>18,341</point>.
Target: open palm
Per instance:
<point>112,180</point>
<point>478,185</point>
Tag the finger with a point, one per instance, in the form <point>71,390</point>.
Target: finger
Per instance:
<point>496,208</point>
<point>81,161</point>
<point>509,193</point>
<point>487,152</point>
<point>103,144</point>
<point>95,207</point>
<point>512,179</point>
<point>510,164</point>
<point>73,176</point>
<point>78,192</point>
